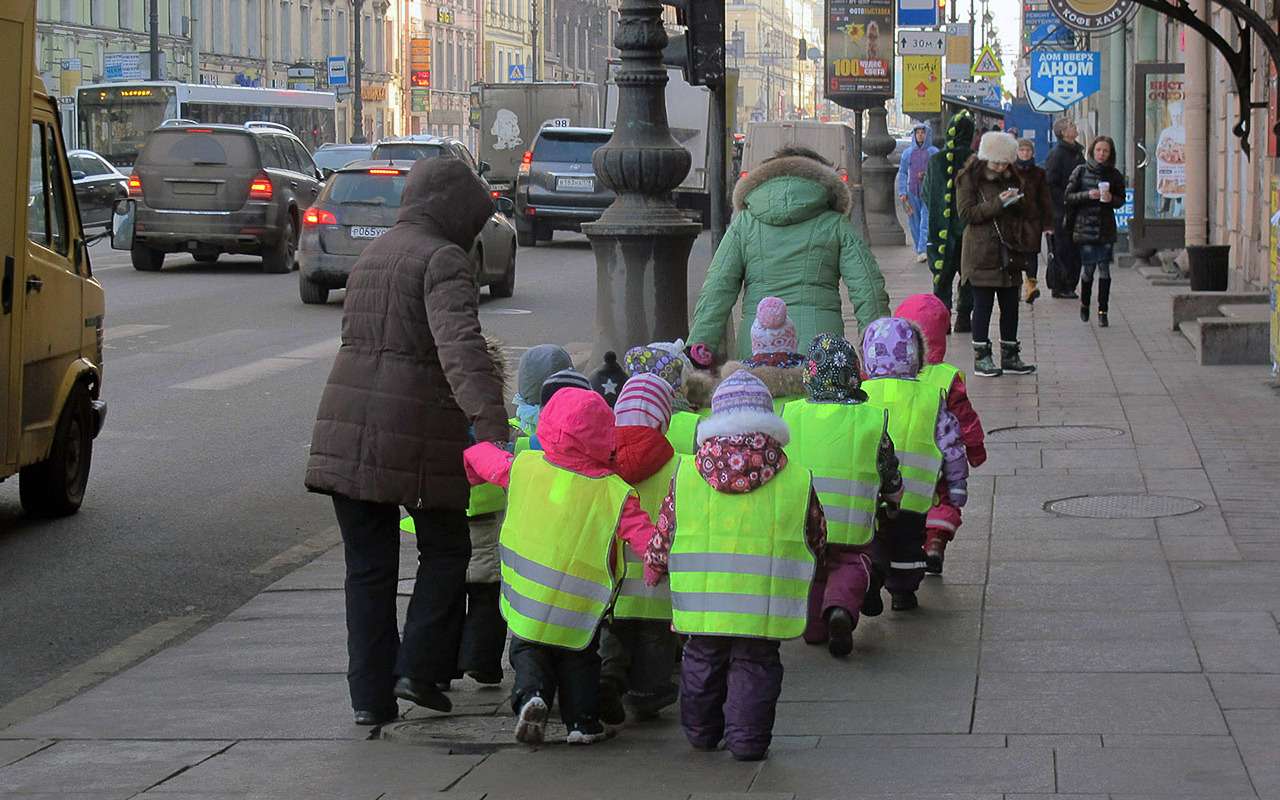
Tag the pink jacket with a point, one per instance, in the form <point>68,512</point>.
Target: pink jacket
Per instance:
<point>932,318</point>
<point>576,429</point>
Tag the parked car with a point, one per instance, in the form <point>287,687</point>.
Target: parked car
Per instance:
<point>358,204</point>
<point>557,188</point>
<point>218,189</point>
<point>98,185</point>
<point>332,157</point>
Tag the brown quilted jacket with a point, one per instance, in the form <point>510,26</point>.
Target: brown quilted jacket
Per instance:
<point>412,373</point>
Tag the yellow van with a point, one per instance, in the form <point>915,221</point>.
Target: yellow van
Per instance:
<point>51,306</point>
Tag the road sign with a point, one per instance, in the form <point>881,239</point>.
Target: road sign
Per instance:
<point>923,13</point>
<point>515,73</point>
<point>921,43</point>
<point>987,65</point>
<point>126,66</point>
<point>1052,34</point>
<point>967,88</point>
<point>959,49</point>
<point>337,70</point>
<point>921,84</point>
<point>1061,78</point>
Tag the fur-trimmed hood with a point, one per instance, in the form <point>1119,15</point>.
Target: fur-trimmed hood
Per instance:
<point>494,347</point>
<point>791,201</point>
<point>781,381</point>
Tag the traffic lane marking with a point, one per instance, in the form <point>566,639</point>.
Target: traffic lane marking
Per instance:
<point>261,368</point>
<point>115,332</point>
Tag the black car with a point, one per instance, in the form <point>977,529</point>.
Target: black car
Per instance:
<point>212,189</point>
<point>98,186</point>
<point>332,157</point>
<point>557,188</point>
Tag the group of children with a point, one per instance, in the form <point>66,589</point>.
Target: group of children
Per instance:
<point>666,511</point>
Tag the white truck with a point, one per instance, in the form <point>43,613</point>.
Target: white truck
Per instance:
<point>508,115</point>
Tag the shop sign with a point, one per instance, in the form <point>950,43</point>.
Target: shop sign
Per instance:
<point>1094,16</point>
<point>373,93</point>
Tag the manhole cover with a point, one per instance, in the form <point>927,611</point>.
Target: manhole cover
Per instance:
<point>1052,433</point>
<point>467,733</point>
<point>1123,506</point>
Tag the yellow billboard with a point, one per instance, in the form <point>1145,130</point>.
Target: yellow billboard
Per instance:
<point>921,84</point>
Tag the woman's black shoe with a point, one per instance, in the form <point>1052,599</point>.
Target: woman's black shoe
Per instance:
<point>1102,320</point>
<point>377,717</point>
<point>422,693</point>
<point>486,678</point>
<point>1084,313</point>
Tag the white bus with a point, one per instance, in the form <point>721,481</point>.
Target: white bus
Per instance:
<point>114,118</point>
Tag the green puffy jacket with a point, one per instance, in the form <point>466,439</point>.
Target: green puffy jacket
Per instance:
<point>791,238</point>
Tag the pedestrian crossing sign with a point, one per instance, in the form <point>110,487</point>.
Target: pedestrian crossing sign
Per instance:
<point>987,65</point>
<point>515,73</point>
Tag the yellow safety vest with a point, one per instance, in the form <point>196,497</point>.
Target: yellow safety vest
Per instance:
<point>522,441</point>
<point>683,432</point>
<point>913,422</point>
<point>839,443</point>
<point>635,600</point>
<point>780,403</point>
<point>740,564</point>
<point>941,375</point>
<point>559,551</point>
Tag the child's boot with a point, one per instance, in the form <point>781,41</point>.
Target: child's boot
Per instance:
<point>905,601</point>
<point>1104,298</point>
<point>1031,290</point>
<point>1011,360</point>
<point>934,553</point>
<point>840,625</point>
<point>983,362</point>
<point>532,721</point>
<point>873,602</point>
<point>587,732</point>
<point>612,711</point>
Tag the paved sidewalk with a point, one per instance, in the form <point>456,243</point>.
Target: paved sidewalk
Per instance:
<point>1061,656</point>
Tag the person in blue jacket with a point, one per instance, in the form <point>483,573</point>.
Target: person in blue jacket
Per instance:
<point>911,169</point>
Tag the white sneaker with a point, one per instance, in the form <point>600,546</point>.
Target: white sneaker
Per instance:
<point>921,258</point>
<point>589,734</point>
<point>531,723</point>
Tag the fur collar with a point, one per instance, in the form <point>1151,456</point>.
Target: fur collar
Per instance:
<point>797,167</point>
<point>781,381</point>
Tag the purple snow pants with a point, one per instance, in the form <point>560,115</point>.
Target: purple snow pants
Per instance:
<point>729,688</point>
<point>898,551</point>
<point>840,582</point>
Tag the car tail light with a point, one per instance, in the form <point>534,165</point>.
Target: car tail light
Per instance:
<point>383,171</point>
<point>260,187</point>
<point>318,216</point>
<point>135,186</point>
<point>199,130</point>
<point>525,161</point>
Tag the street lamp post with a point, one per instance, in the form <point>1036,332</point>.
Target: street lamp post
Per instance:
<point>641,242</point>
<point>357,74</point>
<point>154,21</point>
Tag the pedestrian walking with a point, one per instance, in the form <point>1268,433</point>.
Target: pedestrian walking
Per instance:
<point>989,196</point>
<point>1037,216</point>
<point>926,437</point>
<point>1064,267</point>
<point>739,534</point>
<point>792,239</point>
<point>637,646</point>
<point>845,442</point>
<point>911,169</point>
<point>412,377</point>
<point>946,229</point>
<point>1094,192</point>
<point>942,523</point>
<point>568,518</point>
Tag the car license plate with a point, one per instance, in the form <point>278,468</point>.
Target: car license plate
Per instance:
<point>575,184</point>
<point>361,232</point>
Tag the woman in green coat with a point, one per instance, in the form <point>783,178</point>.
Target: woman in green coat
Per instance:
<point>791,238</point>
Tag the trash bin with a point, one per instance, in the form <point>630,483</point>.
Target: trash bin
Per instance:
<point>1209,265</point>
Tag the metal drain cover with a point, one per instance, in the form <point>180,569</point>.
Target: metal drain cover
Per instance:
<point>466,733</point>
<point>1123,506</point>
<point>1052,433</point>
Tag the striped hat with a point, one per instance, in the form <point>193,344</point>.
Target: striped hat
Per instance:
<point>645,400</point>
<point>563,379</point>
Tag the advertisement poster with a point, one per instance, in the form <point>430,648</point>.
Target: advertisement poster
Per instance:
<point>921,84</point>
<point>1166,185</point>
<point>860,38</point>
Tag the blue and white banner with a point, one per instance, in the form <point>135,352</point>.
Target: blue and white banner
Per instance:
<point>917,13</point>
<point>1061,78</point>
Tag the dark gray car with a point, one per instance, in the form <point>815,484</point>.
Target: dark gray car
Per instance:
<point>213,189</point>
<point>98,186</point>
<point>557,188</point>
<point>359,203</point>
<point>332,157</point>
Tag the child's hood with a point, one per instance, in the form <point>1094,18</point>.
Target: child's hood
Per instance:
<point>536,365</point>
<point>641,452</point>
<point>933,319</point>
<point>741,463</point>
<point>891,349</point>
<point>576,431</point>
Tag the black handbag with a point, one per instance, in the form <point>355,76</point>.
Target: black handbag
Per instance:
<point>1007,262</point>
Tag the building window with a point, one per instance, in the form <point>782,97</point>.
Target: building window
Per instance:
<point>380,54</point>
<point>326,32</point>
<point>235,28</point>
<point>366,43</point>
<point>126,13</point>
<point>253,32</point>
<point>304,29</point>
<point>286,31</point>
<point>344,48</point>
<point>215,22</point>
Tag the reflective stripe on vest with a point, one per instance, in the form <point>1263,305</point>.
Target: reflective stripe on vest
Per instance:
<point>683,432</point>
<point>839,443</point>
<point>941,375</point>
<point>635,600</point>
<point>740,564</point>
<point>559,552</point>
<point>913,422</point>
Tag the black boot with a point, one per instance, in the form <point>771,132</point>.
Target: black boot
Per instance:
<point>1086,293</point>
<point>873,601</point>
<point>1104,301</point>
<point>840,624</point>
<point>1011,361</point>
<point>422,693</point>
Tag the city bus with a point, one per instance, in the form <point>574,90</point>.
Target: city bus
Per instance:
<point>113,118</point>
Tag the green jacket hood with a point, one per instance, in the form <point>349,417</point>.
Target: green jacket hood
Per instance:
<point>789,190</point>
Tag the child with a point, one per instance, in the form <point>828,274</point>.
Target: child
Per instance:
<point>774,357</point>
<point>638,647</point>
<point>561,558</point>
<point>927,439</point>
<point>928,314</point>
<point>568,378</point>
<point>661,359</point>
<point>845,443</point>
<point>609,378</point>
<point>536,365</point>
<point>739,534</point>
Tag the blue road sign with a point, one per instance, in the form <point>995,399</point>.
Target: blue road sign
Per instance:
<point>515,73</point>
<point>917,13</point>
<point>1036,17</point>
<point>337,70</point>
<point>1061,78</point>
<point>1052,33</point>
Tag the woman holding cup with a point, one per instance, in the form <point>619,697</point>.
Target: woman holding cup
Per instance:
<point>1094,192</point>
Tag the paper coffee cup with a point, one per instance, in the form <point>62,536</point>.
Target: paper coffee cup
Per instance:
<point>1104,186</point>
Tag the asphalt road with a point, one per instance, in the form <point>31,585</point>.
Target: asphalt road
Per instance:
<point>195,499</point>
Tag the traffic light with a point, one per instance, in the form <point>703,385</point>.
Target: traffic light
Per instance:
<point>699,52</point>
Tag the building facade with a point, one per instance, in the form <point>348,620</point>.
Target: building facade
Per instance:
<point>761,42</point>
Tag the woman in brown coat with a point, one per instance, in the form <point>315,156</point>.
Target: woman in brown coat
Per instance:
<point>411,378</point>
<point>1037,214</point>
<point>988,194</point>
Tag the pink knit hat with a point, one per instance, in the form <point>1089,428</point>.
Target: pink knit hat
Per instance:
<point>645,400</point>
<point>773,331</point>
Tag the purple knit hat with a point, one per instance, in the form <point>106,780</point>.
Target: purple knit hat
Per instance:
<point>741,391</point>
